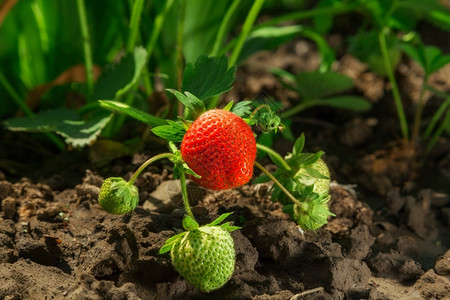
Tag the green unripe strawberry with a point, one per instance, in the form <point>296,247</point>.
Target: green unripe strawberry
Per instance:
<point>204,255</point>
<point>321,180</point>
<point>118,196</point>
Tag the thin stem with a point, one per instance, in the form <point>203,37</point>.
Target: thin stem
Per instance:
<point>246,28</point>
<point>274,156</point>
<point>87,48</point>
<point>437,115</point>
<point>297,16</point>
<point>395,91</point>
<point>184,194</point>
<point>148,162</point>
<point>264,170</point>
<point>180,42</point>
<point>135,19</point>
<point>223,27</point>
<point>300,107</point>
<point>15,96</point>
<point>445,123</point>
<point>418,115</point>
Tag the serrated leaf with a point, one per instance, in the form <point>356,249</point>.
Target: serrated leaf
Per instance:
<point>189,223</point>
<point>315,85</point>
<point>220,219</point>
<point>174,132</point>
<point>122,76</point>
<point>210,76</point>
<point>242,108</point>
<point>354,103</point>
<point>133,112</point>
<point>64,122</point>
<point>194,105</point>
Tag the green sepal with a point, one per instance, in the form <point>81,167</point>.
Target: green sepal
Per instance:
<point>189,223</point>
<point>228,106</point>
<point>170,242</point>
<point>173,132</point>
<point>298,146</point>
<point>220,219</point>
<point>194,105</point>
<point>206,229</point>
<point>261,179</point>
<point>313,213</point>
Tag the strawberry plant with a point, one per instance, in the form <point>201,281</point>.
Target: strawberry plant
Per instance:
<point>218,151</point>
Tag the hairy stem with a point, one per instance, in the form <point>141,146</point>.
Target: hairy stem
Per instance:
<point>184,194</point>
<point>148,162</point>
<point>87,48</point>
<point>276,158</point>
<point>288,194</point>
<point>258,108</point>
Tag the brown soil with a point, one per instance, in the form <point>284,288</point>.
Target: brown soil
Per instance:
<point>390,237</point>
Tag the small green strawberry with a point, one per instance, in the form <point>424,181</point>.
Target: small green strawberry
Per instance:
<point>118,196</point>
<point>319,177</point>
<point>204,255</point>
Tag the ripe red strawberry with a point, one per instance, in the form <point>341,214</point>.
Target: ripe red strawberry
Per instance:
<point>221,148</point>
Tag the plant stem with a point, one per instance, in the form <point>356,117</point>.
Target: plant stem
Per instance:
<point>15,96</point>
<point>148,162</point>
<point>302,106</point>
<point>87,48</point>
<point>223,27</point>
<point>418,115</point>
<point>276,158</point>
<point>184,194</point>
<point>134,24</point>
<point>264,170</point>
<point>258,108</point>
<point>395,91</point>
<point>246,28</point>
<point>445,124</point>
<point>437,115</point>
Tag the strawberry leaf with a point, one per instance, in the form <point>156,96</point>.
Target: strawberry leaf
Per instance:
<point>210,76</point>
<point>315,85</point>
<point>173,132</point>
<point>192,103</point>
<point>133,112</point>
<point>242,108</point>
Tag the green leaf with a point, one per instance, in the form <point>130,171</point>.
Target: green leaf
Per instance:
<point>315,85</point>
<point>209,77</point>
<point>314,173</point>
<point>64,122</point>
<point>261,179</point>
<point>354,103</point>
<point>194,105</point>
<point>121,77</point>
<point>430,58</point>
<point>174,132</point>
<point>133,112</point>
<point>220,219</point>
<point>298,145</point>
<point>189,223</point>
<point>242,108</point>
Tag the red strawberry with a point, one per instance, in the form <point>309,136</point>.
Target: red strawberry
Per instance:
<point>221,148</point>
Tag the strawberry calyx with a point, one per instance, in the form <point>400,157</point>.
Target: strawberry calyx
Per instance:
<point>189,224</point>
